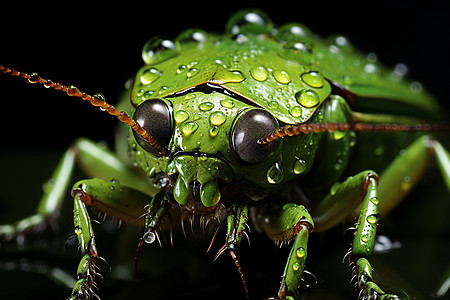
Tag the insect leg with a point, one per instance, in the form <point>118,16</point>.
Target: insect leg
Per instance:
<point>405,171</point>
<point>98,161</point>
<point>282,224</point>
<point>49,204</point>
<point>338,205</point>
<point>236,224</point>
<point>109,197</point>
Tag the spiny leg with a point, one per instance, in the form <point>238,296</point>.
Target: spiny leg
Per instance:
<point>364,242</point>
<point>408,167</point>
<point>379,198</point>
<point>405,171</point>
<point>95,160</point>
<point>154,216</point>
<point>236,222</point>
<point>236,225</point>
<point>111,198</point>
<point>49,205</point>
<point>338,205</point>
<point>282,224</point>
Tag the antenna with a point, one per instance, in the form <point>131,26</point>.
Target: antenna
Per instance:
<point>297,129</point>
<point>96,100</point>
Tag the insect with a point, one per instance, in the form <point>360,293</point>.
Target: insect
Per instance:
<point>222,124</point>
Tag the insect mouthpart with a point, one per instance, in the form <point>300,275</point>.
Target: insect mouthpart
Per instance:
<point>197,181</point>
<point>195,204</point>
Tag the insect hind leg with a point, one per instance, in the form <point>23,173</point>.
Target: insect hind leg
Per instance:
<point>49,205</point>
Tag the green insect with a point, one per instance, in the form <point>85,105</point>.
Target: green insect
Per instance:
<point>223,124</point>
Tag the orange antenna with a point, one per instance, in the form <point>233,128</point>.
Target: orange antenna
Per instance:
<point>297,129</point>
<point>96,100</point>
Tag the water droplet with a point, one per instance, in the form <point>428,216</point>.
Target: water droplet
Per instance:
<point>353,139</point>
<point>372,219</point>
<point>400,70</point>
<point>192,72</point>
<point>181,116</point>
<point>296,266</point>
<point>149,237</point>
<point>293,32</point>
<point>159,49</point>
<point>372,57</point>
<point>181,69</point>
<point>313,79</point>
<point>205,106</point>
<point>374,200</point>
<point>217,118</point>
<point>273,104</point>
<point>307,98</point>
<point>365,238</point>
<point>416,87</point>
<point>235,76</point>
<point>297,51</point>
<point>334,188</point>
<point>406,183</point>
<point>338,134</point>
<point>275,174</point>
<point>192,36</point>
<point>296,111</point>
<point>370,68</point>
<point>299,166</point>
<point>342,41</point>
<point>259,73</point>
<point>140,92</point>
<point>78,230</point>
<point>214,131</point>
<point>189,127</point>
<point>248,22</point>
<point>150,76</point>
<point>147,95</point>
<point>228,103</point>
<point>301,252</point>
<point>281,76</point>
<point>339,164</point>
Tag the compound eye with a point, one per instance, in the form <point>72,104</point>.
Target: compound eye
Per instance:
<point>154,115</point>
<point>251,126</point>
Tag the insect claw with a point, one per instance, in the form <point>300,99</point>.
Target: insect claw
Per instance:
<point>157,237</point>
<point>248,227</point>
<point>221,251</point>
<point>248,238</point>
<point>191,221</point>
<point>215,235</point>
<point>104,260</point>
<point>349,252</point>
<point>312,275</point>
<point>182,224</point>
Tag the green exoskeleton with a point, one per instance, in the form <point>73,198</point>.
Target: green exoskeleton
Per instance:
<point>222,123</point>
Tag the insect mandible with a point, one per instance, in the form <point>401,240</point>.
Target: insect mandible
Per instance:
<point>221,123</point>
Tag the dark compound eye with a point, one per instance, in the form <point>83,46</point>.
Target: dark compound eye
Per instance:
<point>154,115</point>
<point>248,129</point>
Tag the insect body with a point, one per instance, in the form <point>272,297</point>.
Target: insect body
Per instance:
<point>221,123</point>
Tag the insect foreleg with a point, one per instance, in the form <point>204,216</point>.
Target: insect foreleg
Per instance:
<point>112,198</point>
<point>236,224</point>
<point>283,224</point>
